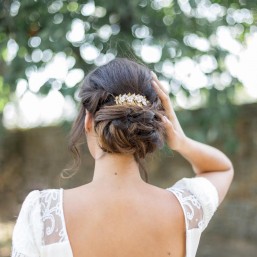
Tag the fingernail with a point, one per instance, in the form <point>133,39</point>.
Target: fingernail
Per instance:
<point>153,74</point>
<point>164,119</point>
<point>153,83</point>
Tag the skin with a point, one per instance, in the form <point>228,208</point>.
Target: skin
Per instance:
<point>118,214</point>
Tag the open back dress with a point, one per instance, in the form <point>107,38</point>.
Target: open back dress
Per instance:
<point>40,229</point>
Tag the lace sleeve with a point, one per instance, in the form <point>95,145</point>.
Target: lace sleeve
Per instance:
<point>199,200</point>
<point>26,238</point>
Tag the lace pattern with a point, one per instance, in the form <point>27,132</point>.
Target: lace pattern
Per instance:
<point>191,207</point>
<point>15,253</point>
<point>51,213</point>
<point>199,200</point>
<point>27,228</point>
<point>41,219</point>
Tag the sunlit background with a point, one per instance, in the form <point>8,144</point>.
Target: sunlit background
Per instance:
<point>27,107</point>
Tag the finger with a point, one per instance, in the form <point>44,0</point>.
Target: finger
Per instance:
<point>167,124</point>
<point>155,79</point>
<point>165,120</point>
<point>158,90</point>
<point>164,96</point>
<point>165,99</point>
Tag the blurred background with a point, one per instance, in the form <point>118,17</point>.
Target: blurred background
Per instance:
<point>204,52</point>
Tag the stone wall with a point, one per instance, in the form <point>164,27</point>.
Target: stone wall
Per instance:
<point>34,159</point>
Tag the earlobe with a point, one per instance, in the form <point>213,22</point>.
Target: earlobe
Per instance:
<point>88,121</point>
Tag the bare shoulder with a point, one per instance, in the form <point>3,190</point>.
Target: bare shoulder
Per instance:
<point>164,200</point>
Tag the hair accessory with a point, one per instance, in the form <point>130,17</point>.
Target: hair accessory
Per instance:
<point>132,99</point>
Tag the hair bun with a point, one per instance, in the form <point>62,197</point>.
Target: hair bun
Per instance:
<point>134,129</point>
<point>129,129</point>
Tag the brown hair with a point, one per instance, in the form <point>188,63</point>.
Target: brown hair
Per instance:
<point>128,129</point>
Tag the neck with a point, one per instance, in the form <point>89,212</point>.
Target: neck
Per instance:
<point>119,169</point>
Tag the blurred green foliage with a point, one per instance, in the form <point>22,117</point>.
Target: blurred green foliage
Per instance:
<point>166,23</point>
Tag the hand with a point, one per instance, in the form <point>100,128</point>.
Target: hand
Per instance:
<point>207,161</point>
<point>174,132</point>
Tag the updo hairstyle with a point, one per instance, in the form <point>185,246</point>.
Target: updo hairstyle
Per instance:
<point>124,129</point>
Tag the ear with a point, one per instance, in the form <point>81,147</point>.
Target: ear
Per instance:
<point>88,121</point>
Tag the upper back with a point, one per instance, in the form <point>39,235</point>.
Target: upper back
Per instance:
<point>145,222</point>
<point>152,222</point>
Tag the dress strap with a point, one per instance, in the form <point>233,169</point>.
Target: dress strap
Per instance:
<point>199,200</point>
<point>52,216</point>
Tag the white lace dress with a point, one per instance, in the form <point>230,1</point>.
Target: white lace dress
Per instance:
<point>40,229</point>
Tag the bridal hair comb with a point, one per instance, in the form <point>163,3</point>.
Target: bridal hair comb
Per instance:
<point>131,99</point>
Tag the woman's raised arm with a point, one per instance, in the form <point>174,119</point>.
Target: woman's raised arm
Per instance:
<point>206,160</point>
